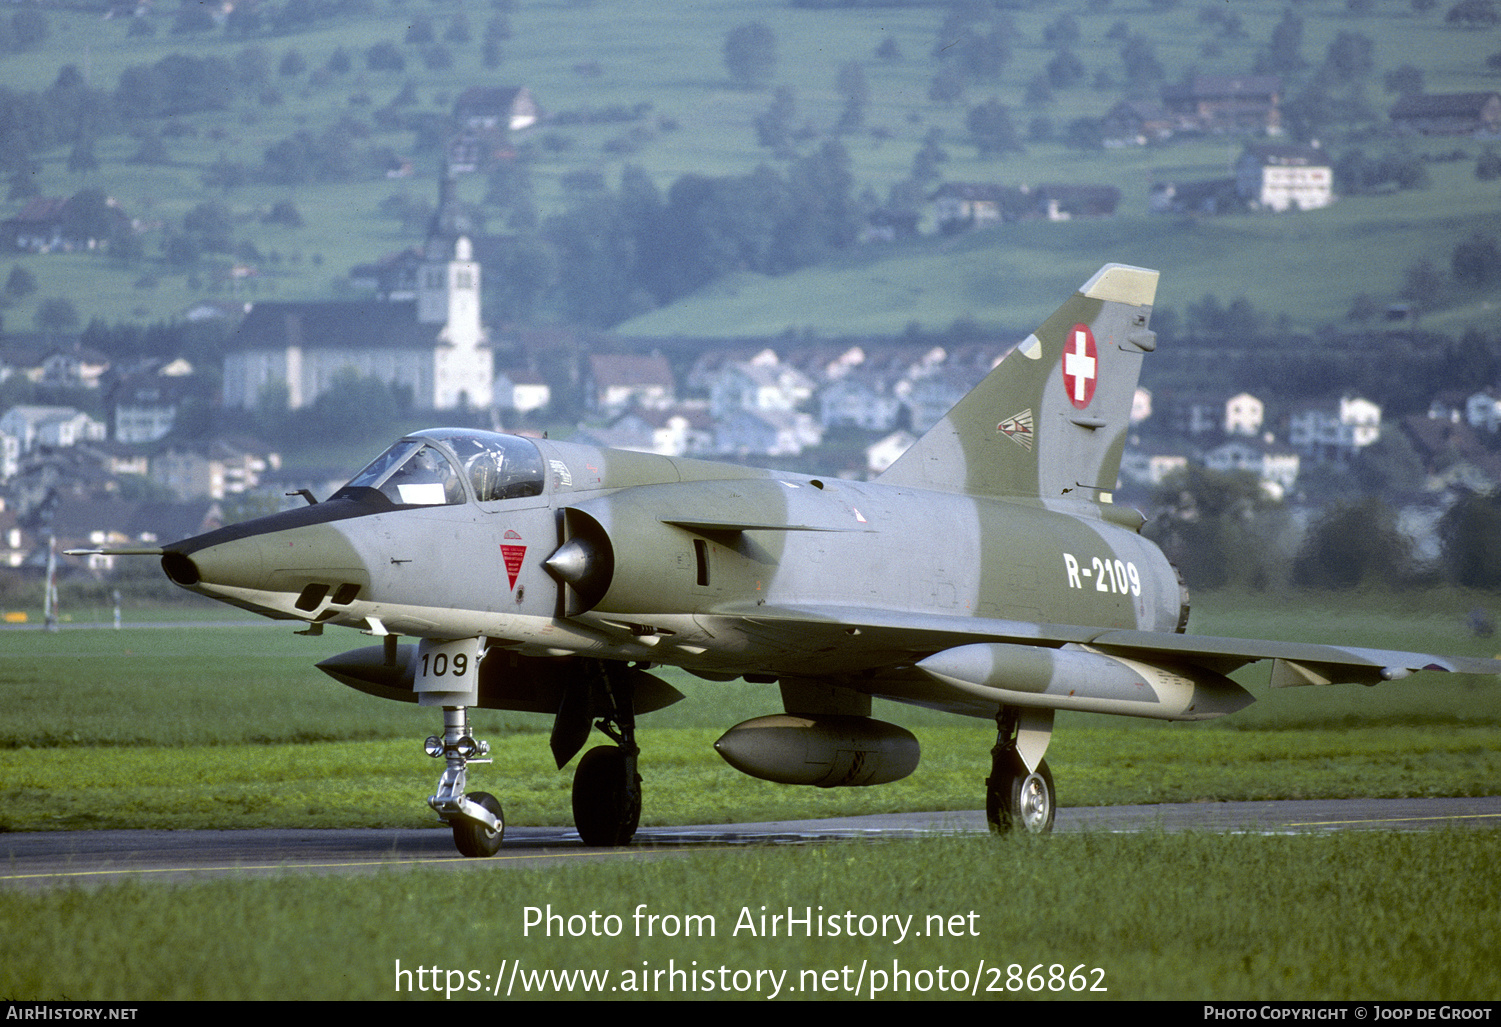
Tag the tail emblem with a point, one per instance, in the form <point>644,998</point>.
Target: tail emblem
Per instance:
<point>1018,428</point>
<point>1080,366</point>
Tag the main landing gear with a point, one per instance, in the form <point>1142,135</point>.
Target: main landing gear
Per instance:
<point>1019,798</point>
<point>607,785</point>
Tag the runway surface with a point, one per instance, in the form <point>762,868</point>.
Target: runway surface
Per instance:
<point>92,858</point>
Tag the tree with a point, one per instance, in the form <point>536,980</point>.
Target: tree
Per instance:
<point>20,284</point>
<point>1405,80</point>
<point>1061,31</point>
<point>90,215</point>
<point>56,314</point>
<point>1488,165</point>
<point>1470,533</point>
<point>1085,134</point>
<point>856,92</point>
<point>1350,58</point>
<point>1217,528</point>
<point>385,57</point>
<point>1424,285</point>
<point>28,29</point>
<point>1353,544</point>
<point>1065,70</point>
<point>1473,14</point>
<point>990,125</point>
<point>210,224</point>
<point>750,54</point>
<point>774,125</point>
<point>1476,262</point>
<point>1285,53</point>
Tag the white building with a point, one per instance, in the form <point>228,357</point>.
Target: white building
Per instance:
<point>434,345</point>
<point>1334,431</point>
<point>54,427</point>
<point>1285,177</point>
<point>1244,414</point>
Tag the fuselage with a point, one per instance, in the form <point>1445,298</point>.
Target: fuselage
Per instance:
<point>668,560</point>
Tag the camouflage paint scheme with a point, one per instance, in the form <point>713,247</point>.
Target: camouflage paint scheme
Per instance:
<point>987,569</point>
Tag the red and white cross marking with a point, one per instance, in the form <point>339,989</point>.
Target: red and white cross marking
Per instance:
<point>1080,366</point>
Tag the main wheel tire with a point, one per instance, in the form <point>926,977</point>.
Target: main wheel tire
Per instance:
<point>1019,800</point>
<point>605,810</point>
<point>475,840</point>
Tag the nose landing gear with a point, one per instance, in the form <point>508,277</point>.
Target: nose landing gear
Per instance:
<point>476,819</point>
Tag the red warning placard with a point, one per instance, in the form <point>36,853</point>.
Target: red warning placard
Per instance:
<point>512,556</point>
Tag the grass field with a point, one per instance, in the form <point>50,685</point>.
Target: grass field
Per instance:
<point>230,727</point>
<point>1367,916</point>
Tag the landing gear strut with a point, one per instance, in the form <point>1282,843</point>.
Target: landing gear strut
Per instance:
<point>1019,798</point>
<point>607,785</point>
<point>476,819</point>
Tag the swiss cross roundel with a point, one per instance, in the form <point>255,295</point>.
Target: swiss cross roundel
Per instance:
<point>1081,366</point>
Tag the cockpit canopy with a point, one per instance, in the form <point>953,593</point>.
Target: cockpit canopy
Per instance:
<point>448,466</point>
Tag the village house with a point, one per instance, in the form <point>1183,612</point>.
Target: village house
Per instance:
<point>212,470</point>
<point>47,224</point>
<point>1275,466</point>
<point>884,452</point>
<point>763,433</point>
<point>762,383</point>
<point>1434,114</point>
<point>521,391</point>
<point>670,431</point>
<point>49,426</point>
<point>1203,196</point>
<point>869,402</point>
<point>959,207</point>
<point>1138,123</point>
<point>1483,410</point>
<point>1334,431</point>
<point>113,522</point>
<point>615,381</point>
<point>144,407</point>
<point>1141,405</point>
<point>489,117</point>
<point>1148,460</point>
<point>72,367</point>
<point>1221,104</point>
<point>1244,414</point>
<point>1285,177</point>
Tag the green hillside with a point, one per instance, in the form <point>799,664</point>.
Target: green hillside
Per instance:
<point>660,67</point>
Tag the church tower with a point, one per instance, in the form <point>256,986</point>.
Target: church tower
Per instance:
<point>448,295</point>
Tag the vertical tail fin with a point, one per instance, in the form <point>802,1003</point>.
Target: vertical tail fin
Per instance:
<point>1051,418</point>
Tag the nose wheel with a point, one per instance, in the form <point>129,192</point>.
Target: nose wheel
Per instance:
<point>473,838</point>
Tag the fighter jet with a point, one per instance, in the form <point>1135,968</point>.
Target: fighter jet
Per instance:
<point>986,573</point>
